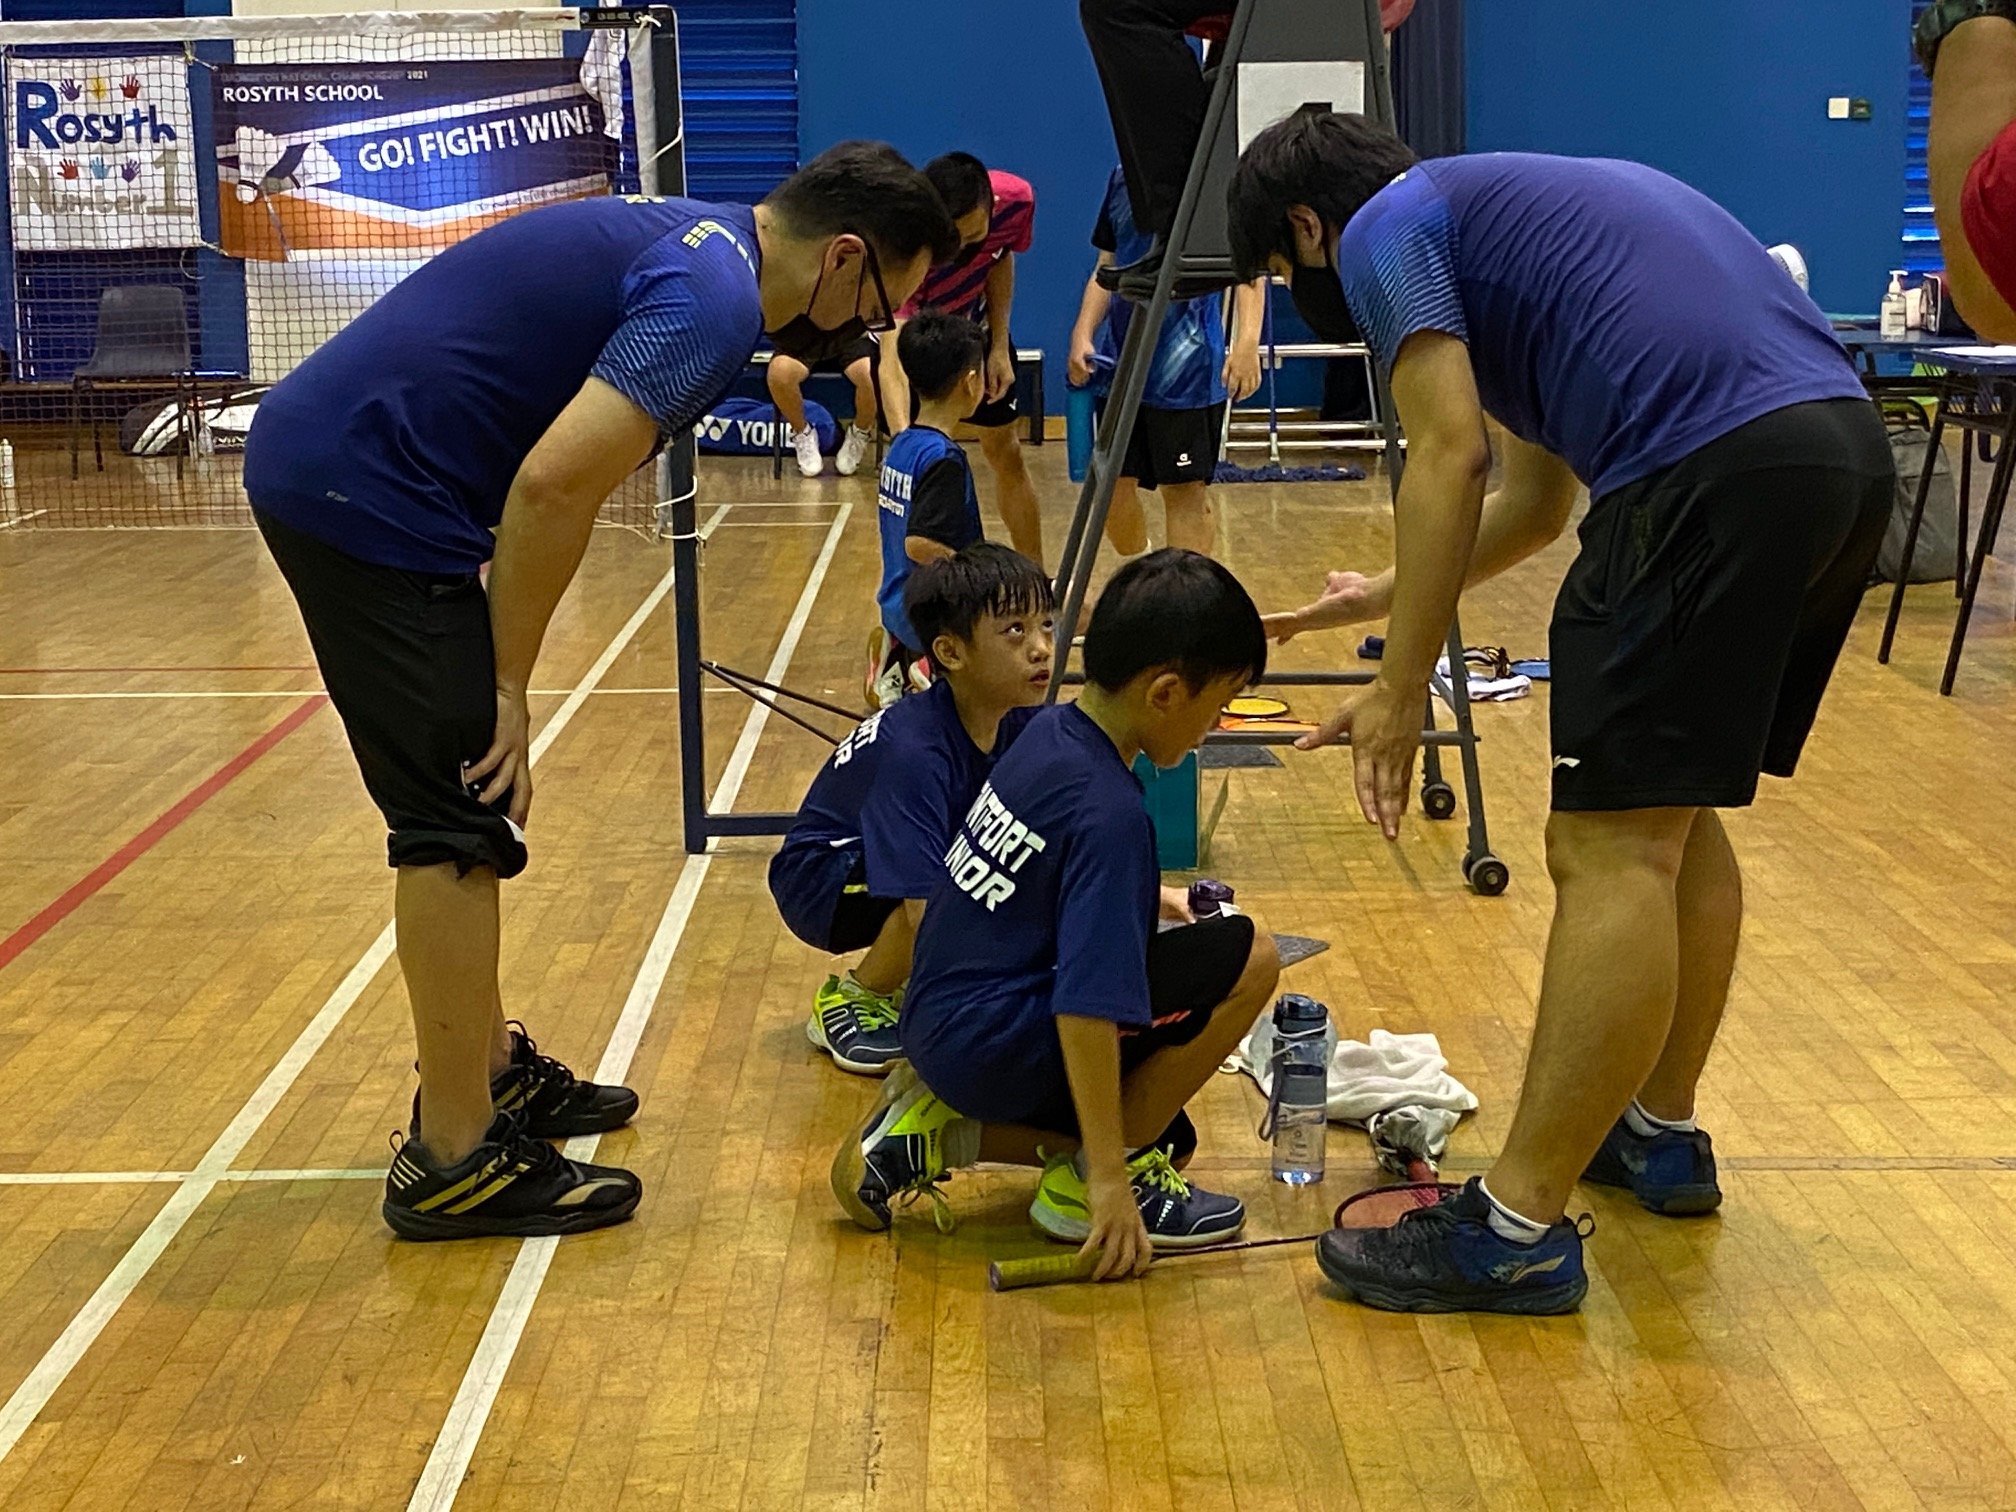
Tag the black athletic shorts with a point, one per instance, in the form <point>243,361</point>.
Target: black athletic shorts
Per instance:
<point>822,895</point>
<point>1174,446</point>
<point>1191,970</point>
<point>868,346</point>
<point>1695,633</point>
<point>408,663</point>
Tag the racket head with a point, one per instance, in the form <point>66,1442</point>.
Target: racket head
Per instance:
<point>1384,1206</point>
<point>1256,706</point>
<point>1040,1270</point>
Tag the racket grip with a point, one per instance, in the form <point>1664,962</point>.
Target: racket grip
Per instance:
<point>1042,1270</point>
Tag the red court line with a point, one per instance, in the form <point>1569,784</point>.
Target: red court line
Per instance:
<point>71,671</point>
<point>152,836</point>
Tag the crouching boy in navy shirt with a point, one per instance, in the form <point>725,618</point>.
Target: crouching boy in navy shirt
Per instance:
<point>1047,1022</point>
<point>870,840</point>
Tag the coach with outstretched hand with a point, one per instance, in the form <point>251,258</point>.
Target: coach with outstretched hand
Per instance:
<point>482,411</point>
<point>1630,334</point>
<point>1968,48</point>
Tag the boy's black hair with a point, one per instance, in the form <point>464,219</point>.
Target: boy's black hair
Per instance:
<point>1176,609</point>
<point>949,596</point>
<point>870,190</point>
<point>1331,162</point>
<point>962,183</point>
<point>937,350</point>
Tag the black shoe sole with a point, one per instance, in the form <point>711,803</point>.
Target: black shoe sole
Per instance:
<point>591,1121</point>
<point>425,1227</point>
<point>1542,1302</point>
<point>1676,1202</point>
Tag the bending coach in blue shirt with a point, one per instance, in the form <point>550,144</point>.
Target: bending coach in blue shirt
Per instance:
<point>482,411</point>
<point>1631,335</point>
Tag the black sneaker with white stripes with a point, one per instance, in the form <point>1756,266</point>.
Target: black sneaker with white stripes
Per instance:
<point>511,1185</point>
<point>553,1101</point>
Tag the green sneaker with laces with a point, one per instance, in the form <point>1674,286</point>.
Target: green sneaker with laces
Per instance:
<point>1177,1214</point>
<point>855,1026</point>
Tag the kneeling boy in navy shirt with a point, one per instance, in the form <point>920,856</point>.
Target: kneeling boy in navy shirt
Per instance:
<point>870,840</point>
<point>1047,1022</point>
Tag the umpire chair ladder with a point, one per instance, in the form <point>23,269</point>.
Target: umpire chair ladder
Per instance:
<point>1305,52</point>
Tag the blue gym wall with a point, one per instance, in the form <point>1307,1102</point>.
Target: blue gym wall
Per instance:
<point>1728,95</point>
<point>1012,84</point>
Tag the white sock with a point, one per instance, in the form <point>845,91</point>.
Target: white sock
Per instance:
<point>1508,1225</point>
<point>959,1142</point>
<point>1645,1125</point>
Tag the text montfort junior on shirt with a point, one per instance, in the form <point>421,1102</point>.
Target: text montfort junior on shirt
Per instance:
<point>990,847</point>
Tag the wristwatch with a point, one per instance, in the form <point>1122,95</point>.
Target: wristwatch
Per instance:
<point>1943,15</point>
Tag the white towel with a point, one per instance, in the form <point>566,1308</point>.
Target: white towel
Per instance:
<point>1392,1071</point>
<point>1484,689</point>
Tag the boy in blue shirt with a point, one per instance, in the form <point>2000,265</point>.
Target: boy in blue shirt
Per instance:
<point>1048,1023</point>
<point>926,508</point>
<point>870,839</point>
<point>1179,431</point>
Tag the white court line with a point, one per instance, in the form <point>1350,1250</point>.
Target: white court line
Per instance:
<point>12,520</point>
<point>33,1394</point>
<point>135,1178</point>
<point>455,1446</point>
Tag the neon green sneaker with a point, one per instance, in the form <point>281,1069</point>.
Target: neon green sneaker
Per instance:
<point>855,1026</point>
<point>1177,1215</point>
<point>900,1154</point>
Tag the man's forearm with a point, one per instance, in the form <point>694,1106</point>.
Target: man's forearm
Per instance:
<point>539,546</point>
<point>1436,531</point>
<point>1092,1066</point>
<point>894,386</point>
<point>1510,528</point>
<point>1000,299</point>
<point>1092,310</point>
<point>1249,311</point>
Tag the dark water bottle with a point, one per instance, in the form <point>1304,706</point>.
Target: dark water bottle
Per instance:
<point>1298,1105</point>
<point>1209,898</point>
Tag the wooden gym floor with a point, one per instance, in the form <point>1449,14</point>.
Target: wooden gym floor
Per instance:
<point>202,1050</point>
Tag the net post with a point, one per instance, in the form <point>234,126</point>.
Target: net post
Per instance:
<point>661,169</point>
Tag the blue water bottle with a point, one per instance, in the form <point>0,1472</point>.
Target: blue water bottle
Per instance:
<point>1298,1104</point>
<point>1079,429</point>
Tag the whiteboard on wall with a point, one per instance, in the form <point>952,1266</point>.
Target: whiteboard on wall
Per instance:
<point>1271,92</point>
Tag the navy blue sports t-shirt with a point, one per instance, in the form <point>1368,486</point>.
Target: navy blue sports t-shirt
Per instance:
<point>926,489</point>
<point>397,440</point>
<point>1614,316</point>
<point>1045,906</point>
<point>883,807</point>
<point>1189,367</point>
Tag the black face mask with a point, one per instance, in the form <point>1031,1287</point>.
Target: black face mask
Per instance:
<point>812,343</point>
<point>1319,299</point>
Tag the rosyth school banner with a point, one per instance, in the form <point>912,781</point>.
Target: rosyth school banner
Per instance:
<point>397,160</point>
<point>100,153</point>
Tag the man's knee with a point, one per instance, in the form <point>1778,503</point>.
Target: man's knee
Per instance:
<point>1605,843</point>
<point>1003,449</point>
<point>1263,965</point>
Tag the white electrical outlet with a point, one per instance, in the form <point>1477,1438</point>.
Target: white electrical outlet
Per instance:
<point>1837,107</point>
